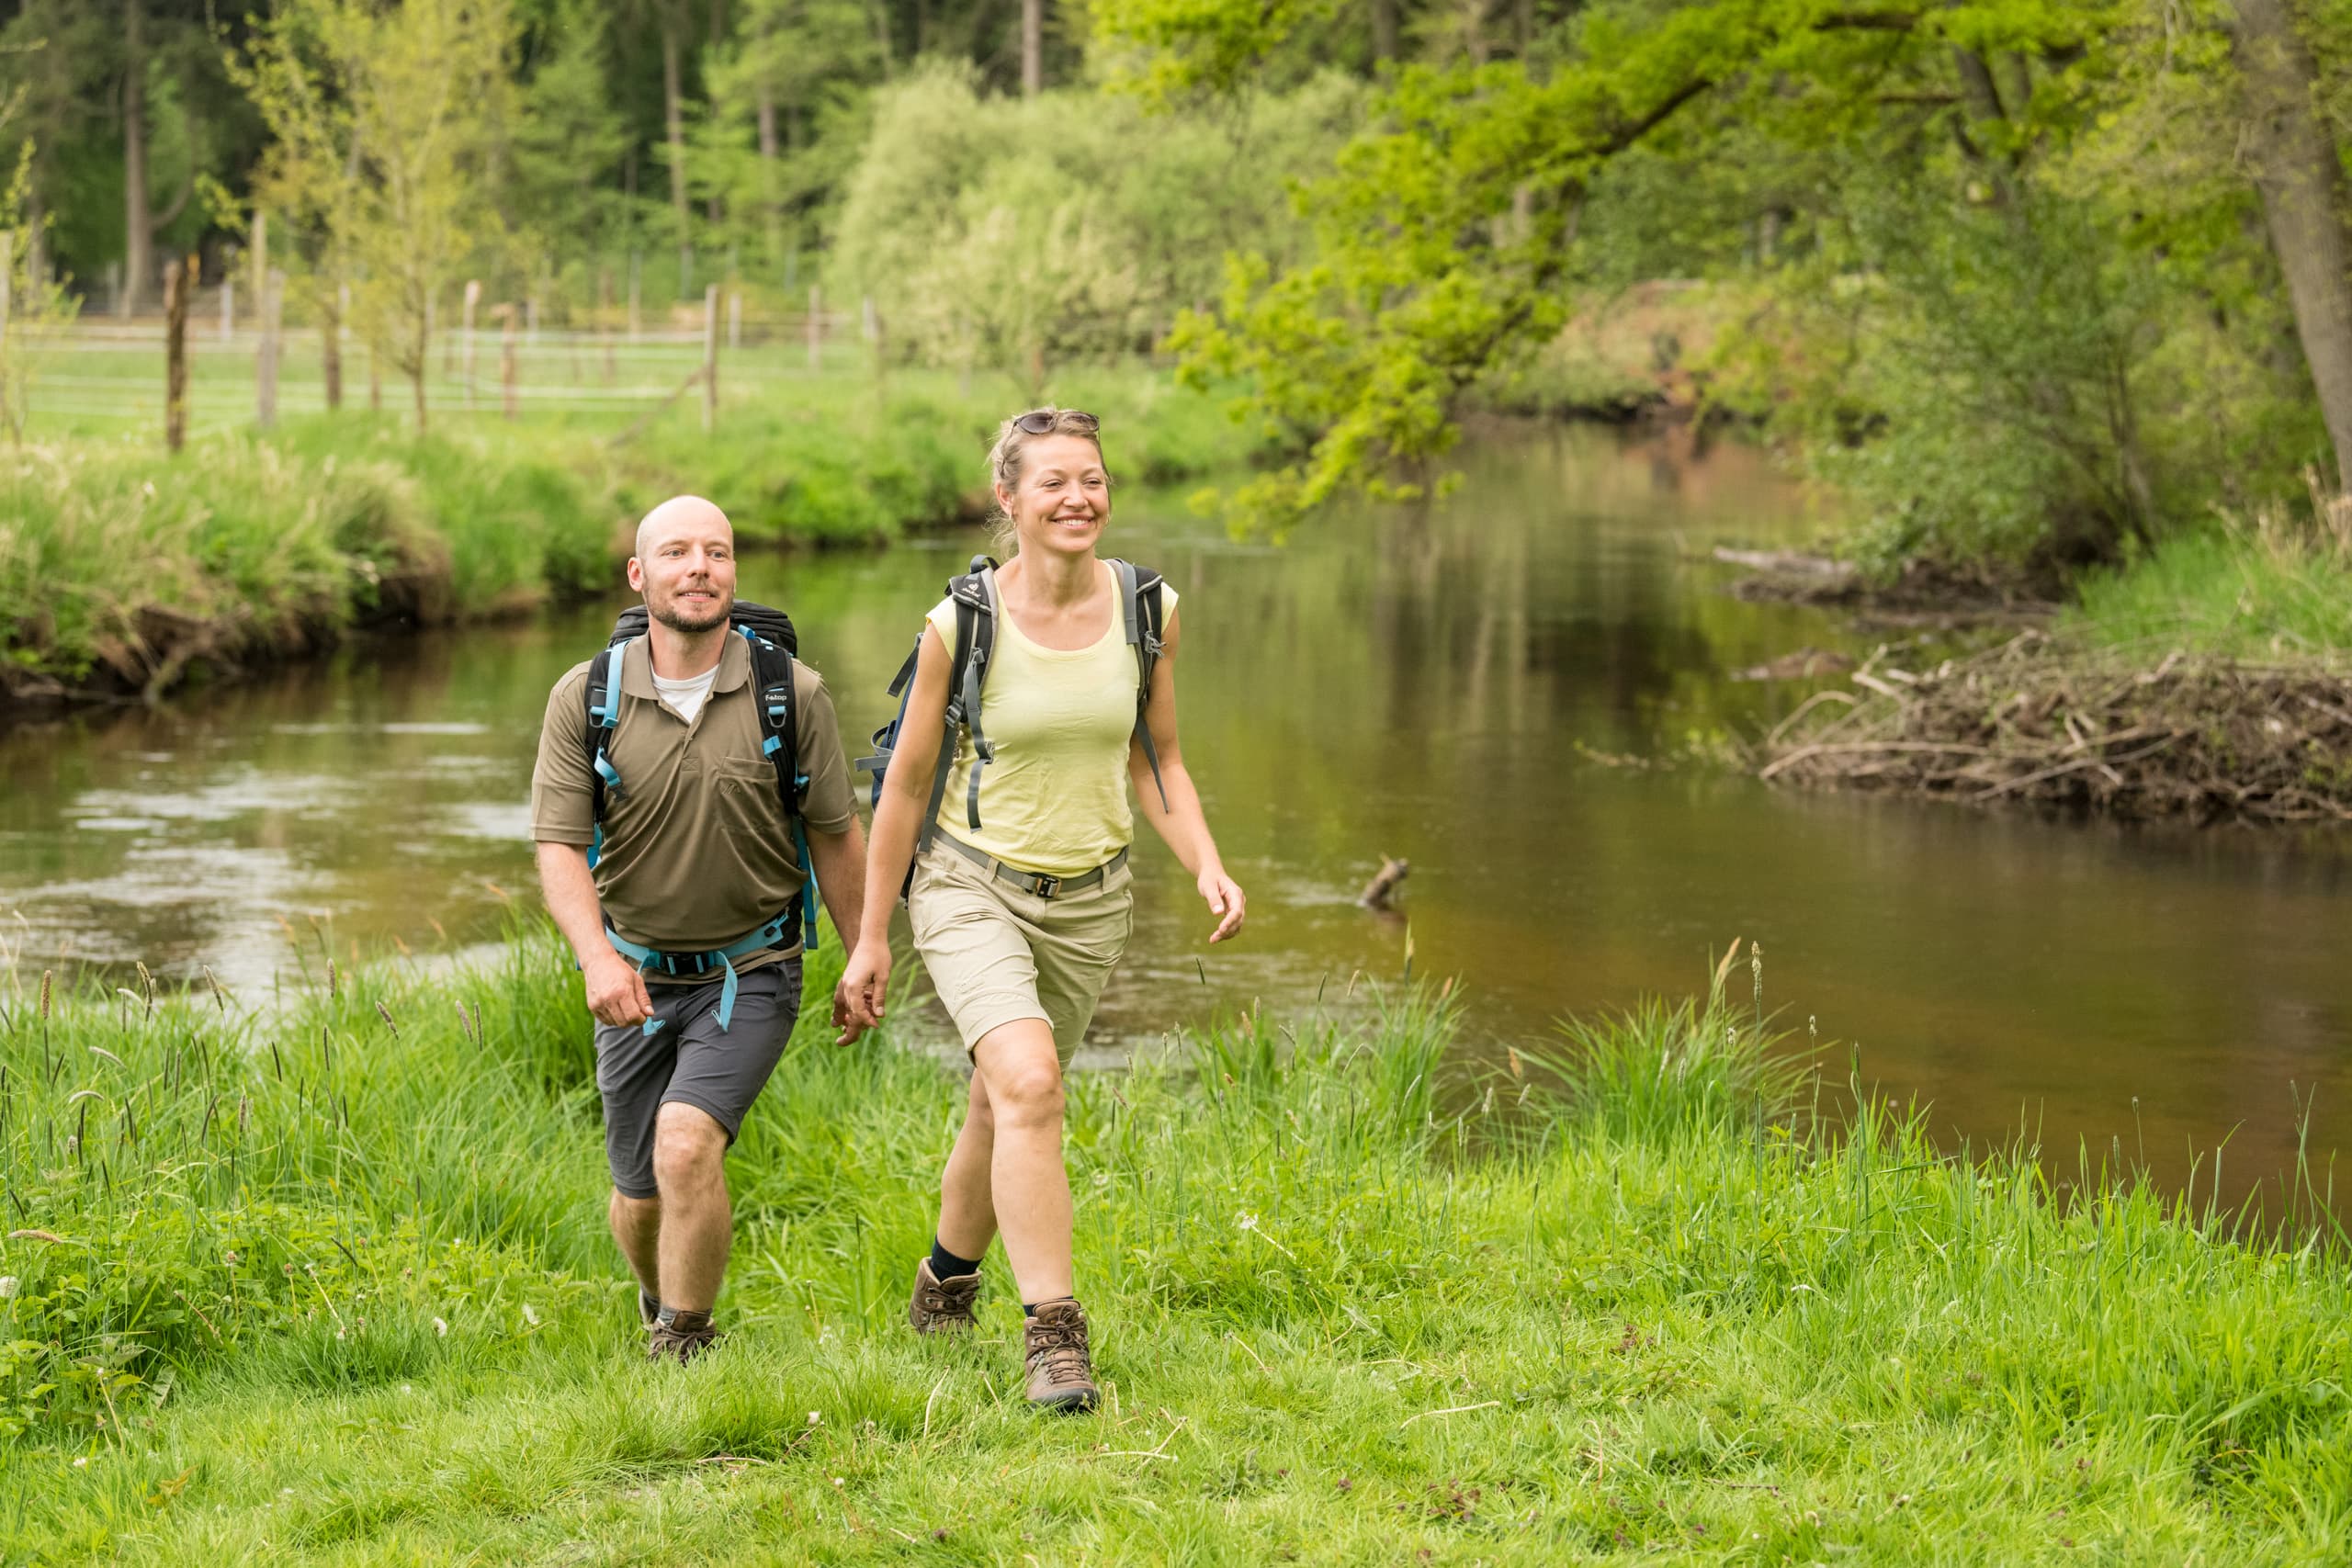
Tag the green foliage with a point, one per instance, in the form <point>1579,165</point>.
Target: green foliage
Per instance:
<point>1009,236</point>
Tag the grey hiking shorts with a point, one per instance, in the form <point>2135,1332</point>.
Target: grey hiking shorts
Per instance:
<point>691,1061</point>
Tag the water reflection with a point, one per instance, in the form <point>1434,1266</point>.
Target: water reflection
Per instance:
<point>1431,685</point>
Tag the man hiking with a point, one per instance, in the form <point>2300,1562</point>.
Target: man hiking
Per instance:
<point>689,780</point>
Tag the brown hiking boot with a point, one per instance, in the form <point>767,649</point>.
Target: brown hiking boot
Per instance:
<point>685,1337</point>
<point>1060,1377</point>
<point>942,1307</point>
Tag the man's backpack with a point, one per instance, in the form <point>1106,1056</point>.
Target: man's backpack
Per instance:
<point>974,596</point>
<point>774,643</point>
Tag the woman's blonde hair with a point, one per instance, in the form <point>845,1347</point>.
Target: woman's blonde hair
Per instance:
<point>1012,438</point>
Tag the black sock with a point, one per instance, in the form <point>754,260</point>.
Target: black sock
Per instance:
<point>946,1265</point>
<point>1029,1309</point>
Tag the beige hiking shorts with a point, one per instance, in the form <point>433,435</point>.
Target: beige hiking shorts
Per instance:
<point>996,953</point>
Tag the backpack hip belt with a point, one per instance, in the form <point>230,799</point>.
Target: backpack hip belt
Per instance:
<point>1033,881</point>
<point>776,933</point>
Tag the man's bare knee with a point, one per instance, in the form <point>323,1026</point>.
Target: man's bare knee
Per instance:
<point>689,1148</point>
<point>978,1113</point>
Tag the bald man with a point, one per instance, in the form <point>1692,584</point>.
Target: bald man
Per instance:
<point>698,866</point>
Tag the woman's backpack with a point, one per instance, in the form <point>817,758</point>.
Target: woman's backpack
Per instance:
<point>974,596</point>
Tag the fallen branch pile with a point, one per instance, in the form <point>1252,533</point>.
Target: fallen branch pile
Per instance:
<point>2036,719</point>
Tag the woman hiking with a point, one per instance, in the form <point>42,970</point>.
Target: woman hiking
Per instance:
<point>1021,900</point>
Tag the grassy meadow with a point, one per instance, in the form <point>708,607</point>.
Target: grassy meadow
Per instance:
<point>332,1285</point>
<point>127,566</point>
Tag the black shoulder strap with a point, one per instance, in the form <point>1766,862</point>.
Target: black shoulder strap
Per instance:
<point>974,596</point>
<point>1139,600</point>
<point>602,699</point>
<point>779,720</point>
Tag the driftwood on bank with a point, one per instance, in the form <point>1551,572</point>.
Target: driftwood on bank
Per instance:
<point>2038,720</point>
<point>1383,886</point>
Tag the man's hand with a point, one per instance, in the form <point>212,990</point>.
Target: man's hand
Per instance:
<point>858,999</point>
<point>616,993</point>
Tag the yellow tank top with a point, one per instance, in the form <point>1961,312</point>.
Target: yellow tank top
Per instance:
<point>1055,799</point>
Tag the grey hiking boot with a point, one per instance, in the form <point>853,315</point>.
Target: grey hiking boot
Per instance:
<point>1061,1377</point>
<point>685,1336</point>
<point>942,1307</point>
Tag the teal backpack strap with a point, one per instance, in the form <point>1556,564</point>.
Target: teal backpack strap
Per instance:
<point>1139,602</point>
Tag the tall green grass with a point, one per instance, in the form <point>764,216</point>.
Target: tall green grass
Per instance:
<point>1628,1295</point>
<point>2223,592</point>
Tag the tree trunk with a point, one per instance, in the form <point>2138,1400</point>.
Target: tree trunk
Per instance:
<point>417,368</point>
<point>2293,162</point>
<point>331,349</point>
<point>139,234</point>
<point>1383,30</point>
<point>673,112</point>
<point>771,212</point>
<point>1033,48</point>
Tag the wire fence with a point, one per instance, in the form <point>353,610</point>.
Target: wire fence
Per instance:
<point>110,374</point>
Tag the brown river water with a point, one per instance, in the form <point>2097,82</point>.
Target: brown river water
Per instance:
<point>1474,689</point>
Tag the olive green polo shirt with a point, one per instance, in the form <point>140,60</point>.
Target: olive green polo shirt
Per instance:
<point>697,847</point>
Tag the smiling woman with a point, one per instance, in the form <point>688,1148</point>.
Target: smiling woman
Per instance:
<point>1019,893</point>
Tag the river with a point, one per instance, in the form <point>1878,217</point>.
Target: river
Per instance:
<point>1508,691</point>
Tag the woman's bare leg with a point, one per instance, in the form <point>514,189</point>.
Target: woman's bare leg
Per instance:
<point>967,1210</point>
<point>1029,1186</point>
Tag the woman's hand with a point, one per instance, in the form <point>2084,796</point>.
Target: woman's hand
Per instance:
<point>1223,895</point>
<point>858,999</point>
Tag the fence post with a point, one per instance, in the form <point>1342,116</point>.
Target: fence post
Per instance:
<point>375,382</point>
<point>259,257</point>
<point>179,279</point>
<point>710,359</point>
<point>7,292</point>
<point>466,345</point>
<point>228,306</point>
<point>734,319</point>
<point>506,360</point>
<point>816,328</point>
<point>331,351</point>
<point>605,320</point>
<point>634,321</point>
<point>273,309</point>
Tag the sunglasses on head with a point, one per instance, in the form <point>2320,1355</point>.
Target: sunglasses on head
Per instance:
<point>1041,421</point>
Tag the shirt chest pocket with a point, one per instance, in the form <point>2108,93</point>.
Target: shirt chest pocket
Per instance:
<point>743,801</point>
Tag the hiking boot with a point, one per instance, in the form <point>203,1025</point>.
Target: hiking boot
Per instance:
<point>942,1307</point>
<point>685,1337</point>
<point>1061,1378</point>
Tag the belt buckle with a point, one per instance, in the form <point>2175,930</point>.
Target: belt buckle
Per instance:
<point>1045,886</point>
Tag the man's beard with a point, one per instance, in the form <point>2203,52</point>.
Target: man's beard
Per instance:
<point>668,614</point>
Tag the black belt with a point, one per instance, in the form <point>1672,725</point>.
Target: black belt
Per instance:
<point>1033,881</point>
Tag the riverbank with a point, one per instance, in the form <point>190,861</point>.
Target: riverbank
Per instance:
<point>125,572</point>
<point>337,1287</point>
<point>2210,680</point>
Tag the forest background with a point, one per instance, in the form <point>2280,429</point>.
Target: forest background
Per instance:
<point>2052,288</point>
